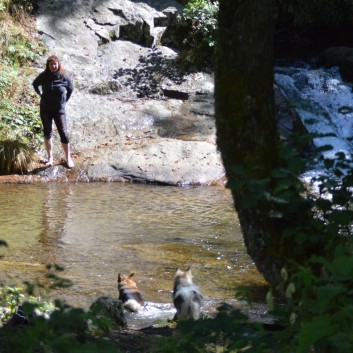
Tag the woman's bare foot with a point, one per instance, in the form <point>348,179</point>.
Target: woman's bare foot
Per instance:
<point>47,162</point>
<point>66,148</point>
<point>70,163</point>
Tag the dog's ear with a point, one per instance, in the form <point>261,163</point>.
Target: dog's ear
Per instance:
<point>178,272</point>
<point>131,276</point>
<point>121,277</point>
<point>188,272</point>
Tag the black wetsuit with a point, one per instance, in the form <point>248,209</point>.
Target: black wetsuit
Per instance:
<point>56,90</point>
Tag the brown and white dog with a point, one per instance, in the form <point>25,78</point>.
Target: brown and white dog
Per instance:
<point>129,293</point>
<point>187,298</point>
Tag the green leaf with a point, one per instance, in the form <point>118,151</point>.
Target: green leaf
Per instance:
<point>312,332</point>
<point>327,294</point>
<point>341,267</point>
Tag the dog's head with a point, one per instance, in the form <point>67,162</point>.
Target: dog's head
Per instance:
<point>183,277</point>
<point>126,281</point>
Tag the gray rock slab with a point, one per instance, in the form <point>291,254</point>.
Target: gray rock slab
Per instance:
<point>169,162</point>
<point>122,126</point>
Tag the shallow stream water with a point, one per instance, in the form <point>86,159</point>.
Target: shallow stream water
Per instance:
<point>99,229</point>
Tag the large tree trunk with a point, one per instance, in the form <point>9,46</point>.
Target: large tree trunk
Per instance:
<point>247,134</point>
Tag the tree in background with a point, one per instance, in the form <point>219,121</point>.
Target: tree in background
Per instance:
<point>282,228</point>
<point>246,130</point>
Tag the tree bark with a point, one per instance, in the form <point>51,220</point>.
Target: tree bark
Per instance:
<point>247,134</point>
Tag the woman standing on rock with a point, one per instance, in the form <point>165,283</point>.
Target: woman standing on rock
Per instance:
<point>55,88</point>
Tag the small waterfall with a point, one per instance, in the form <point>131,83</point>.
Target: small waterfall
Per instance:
<point>324,103</point>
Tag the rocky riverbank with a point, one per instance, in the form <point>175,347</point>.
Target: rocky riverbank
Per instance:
<point>136,113</point>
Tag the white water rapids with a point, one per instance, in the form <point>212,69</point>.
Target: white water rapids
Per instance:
<point>324,103</point>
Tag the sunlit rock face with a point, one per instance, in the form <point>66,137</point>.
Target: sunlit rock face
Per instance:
<point>135,113</point>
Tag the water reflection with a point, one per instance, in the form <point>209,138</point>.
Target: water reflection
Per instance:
<point>55,212</point>
<point>98,230</point>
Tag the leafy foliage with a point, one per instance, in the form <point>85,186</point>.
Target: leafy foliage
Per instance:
<point>13,297</point>
<point>32,325</point>
<point>17,45</point>
<point>10,298</point>
<point>66,330</point>
<point>200,16</point>
<point>20,127</point>
<point>20,117</point>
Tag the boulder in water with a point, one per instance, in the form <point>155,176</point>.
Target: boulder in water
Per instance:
<point>110,308</point>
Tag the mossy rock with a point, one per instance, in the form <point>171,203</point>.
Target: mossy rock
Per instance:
<point>110,308</point>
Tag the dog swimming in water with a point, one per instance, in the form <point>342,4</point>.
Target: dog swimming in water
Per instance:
<point>187,298</point>
<point>129,293</point>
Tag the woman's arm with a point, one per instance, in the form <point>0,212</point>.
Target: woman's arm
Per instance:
<point>69,88</point>
<point>37,83</point>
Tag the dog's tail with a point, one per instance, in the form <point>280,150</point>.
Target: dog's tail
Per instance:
<point>132,305</point>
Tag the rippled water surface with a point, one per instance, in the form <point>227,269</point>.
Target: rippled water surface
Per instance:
<point>97,230</point>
